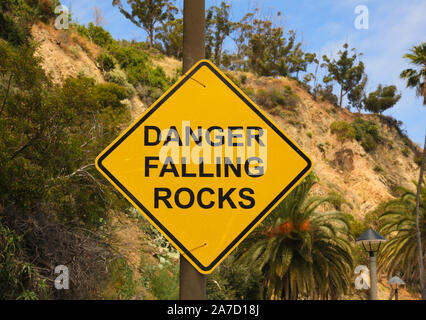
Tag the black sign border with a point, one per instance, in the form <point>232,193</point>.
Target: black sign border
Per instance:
<point>152,217</point>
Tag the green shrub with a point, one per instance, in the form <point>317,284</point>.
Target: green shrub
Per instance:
<point>263,99</point>
<point>110,94</point>
<point>129,56</point>
<point>366,127</point>
<point>119,77</point>
<point>406,152</point>
<point>309,134</point>
<point>232,281</point>
<point>368,143</point>
<point>148,94</point>
<point>138,67</point>
<point>83,103</point>
<point>17,16</point>
<point>120,283</point>
<point>44,9</point>
<point>12,32</point>
<point>161,280</point>
<point>116,76</point>
<point>367,132</point>
<point>243,79</point>
<point>18,279</point>
<point>29,11</point>
<point>106,62</point>
<point>96,34</point>
<point>271,98</point>
<point>343,131</point>
<point>326,94</point>
<point>378,169</point>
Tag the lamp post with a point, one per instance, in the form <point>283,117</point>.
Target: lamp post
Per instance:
<point>395,283</point>
<point>371,242</point>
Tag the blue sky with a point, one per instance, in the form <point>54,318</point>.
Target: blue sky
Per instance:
<point>324,25</point>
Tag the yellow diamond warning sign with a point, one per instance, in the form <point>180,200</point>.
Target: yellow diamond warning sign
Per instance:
<point>204,165</point>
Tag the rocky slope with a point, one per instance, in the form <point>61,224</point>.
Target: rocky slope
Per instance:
<point>363,178</point>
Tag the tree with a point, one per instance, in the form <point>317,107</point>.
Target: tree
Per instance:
<point>55,207</point>
<point>357,95</point>
<point>298,60</point>
<point>348,72</point>
<point>242,31</point>
<point>416,79</point>
<point>268,50</point>
<point>398,224</point>
<point>382,99</point>
<point>302,253</point>
<point>146,14</point>
<point>218,28</point>
<point>99,17</point>
<point>170,34</point>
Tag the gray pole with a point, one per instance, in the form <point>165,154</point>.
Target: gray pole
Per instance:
<point>373,277</point>
<point>192,283</point>
<point>418,231</point>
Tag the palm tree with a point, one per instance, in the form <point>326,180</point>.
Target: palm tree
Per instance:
<point>416,79</point>
<point>398,224</point>
<point>303,253</point>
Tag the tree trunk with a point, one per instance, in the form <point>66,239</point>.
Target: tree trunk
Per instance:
<point>418,231</point>
<point>151,38</point>
<point>341,97</point>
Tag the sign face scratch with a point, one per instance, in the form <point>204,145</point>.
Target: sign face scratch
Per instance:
<point>204,165</point>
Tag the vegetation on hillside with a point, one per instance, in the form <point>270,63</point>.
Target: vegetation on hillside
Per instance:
<point>54,207</point>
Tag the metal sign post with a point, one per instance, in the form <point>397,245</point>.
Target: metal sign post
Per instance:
<point>192,282</point>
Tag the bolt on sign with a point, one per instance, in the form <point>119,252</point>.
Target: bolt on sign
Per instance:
<point>204,165</point>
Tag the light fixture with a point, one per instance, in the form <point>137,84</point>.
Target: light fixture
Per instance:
<point>396,283</point>
<point>371,242</point>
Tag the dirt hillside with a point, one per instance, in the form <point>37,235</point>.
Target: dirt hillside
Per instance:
<point>363,178</point>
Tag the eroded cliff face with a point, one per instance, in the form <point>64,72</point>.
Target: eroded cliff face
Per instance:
<point>363,178</point>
